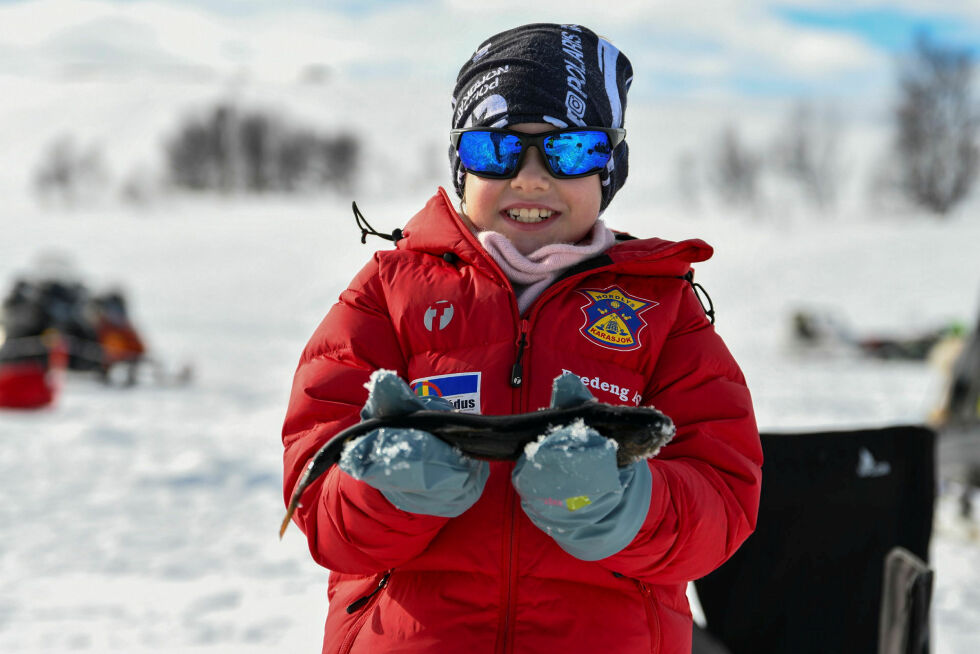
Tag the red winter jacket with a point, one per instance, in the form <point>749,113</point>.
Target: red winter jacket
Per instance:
<point>439,311</point>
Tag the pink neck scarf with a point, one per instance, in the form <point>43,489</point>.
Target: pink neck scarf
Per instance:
<point>531,274</point>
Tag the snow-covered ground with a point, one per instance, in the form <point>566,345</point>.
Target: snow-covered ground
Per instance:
<point>145,519</point>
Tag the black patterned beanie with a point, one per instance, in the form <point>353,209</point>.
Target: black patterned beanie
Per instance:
<point>565,75</point>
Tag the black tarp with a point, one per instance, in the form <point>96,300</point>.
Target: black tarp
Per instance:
<point>809,580</point>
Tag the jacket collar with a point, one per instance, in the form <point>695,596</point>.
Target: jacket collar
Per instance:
<point>438,229</point>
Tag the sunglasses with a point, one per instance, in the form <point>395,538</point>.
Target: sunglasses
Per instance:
<point>567,153</point>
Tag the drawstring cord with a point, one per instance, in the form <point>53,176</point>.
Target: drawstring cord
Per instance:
<point>368,230</point>
<point>699,292</point>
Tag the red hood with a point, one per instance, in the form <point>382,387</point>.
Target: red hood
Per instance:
<point>438,229</point>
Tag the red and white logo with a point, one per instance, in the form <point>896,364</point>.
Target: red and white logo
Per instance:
<point>438,315</point>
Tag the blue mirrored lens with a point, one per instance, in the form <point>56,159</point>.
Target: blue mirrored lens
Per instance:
<point>577,153</point>
<point>489,152</point>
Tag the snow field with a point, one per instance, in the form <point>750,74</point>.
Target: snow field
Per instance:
<point>145,519</point>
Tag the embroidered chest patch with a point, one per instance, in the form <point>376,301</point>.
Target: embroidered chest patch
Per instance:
<point>612,318</point>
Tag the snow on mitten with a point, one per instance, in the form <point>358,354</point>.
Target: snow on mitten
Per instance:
<point>413,469</point>
<point>572,489</point>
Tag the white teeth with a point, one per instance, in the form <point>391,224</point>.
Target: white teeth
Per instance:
<point>534,215</point>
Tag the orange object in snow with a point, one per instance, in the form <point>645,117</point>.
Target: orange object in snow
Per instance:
<point>119,343</point>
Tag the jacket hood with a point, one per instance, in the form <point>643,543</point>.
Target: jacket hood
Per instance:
<point>438,229</point>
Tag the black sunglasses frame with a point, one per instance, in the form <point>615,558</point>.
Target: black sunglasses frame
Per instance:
<point>616,136</point>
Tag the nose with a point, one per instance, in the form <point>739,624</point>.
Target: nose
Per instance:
<point>533,175</point>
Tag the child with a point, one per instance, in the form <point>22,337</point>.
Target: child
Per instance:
<point>432,551</point>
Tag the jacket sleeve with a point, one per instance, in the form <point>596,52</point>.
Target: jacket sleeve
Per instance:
<point>349,525</point>
<point>706,482</point>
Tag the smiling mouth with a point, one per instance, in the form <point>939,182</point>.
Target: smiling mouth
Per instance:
<point>529,215</point>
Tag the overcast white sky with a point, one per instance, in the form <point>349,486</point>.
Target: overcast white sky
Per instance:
<point>693,49</point>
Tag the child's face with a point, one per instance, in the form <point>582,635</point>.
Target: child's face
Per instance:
<point>573,203</point>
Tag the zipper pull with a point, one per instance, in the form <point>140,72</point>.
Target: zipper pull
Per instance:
<point>358,604</point>
<point>517,370</point>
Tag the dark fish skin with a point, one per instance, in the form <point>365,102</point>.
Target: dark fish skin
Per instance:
<point>639,431</point>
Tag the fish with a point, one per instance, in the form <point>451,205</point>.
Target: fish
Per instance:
<point>639,433</point>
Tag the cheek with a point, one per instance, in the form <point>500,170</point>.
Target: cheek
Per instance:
<point>586,193</point>
<point>479,198</point>
<point>471,189</point>
<point>480,193</point>
<point>596,192</point>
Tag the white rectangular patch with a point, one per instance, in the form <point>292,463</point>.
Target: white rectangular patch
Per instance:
<point>462,389</point>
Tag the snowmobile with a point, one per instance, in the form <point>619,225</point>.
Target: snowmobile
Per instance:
<point>28,350</point>
<point>822,332</point>
<point>51,324</point>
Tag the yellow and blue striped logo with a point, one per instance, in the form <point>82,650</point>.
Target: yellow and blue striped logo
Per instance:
<point>461,389</point>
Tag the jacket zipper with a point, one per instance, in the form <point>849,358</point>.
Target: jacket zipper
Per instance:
<point>509,565</point>
<point>510,525</point>
<point>653,620</point>
<point>359,605</point>
<point>517,370</point>
<point>509,569</point>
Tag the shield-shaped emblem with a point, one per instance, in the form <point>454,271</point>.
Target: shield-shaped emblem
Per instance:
<point>612,318</point>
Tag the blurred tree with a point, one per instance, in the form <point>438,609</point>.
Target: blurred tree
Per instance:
<point>686,179</point>
<point>69,174</point>
<point>257,151</point>
<point>223,132</point>
<point>806,151</point>
<point>54,174</point>
<point>936,125</point>
<point>340,160</point>
<point>258,141</point>
<point>189,156</point>
<point>295,157</point>
<point>735,170</point>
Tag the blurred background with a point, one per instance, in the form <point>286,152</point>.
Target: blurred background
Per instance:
<point>175,187</point>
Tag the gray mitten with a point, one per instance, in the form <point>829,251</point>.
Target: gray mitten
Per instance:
<point>572,489</point>
<point>413,469</point>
